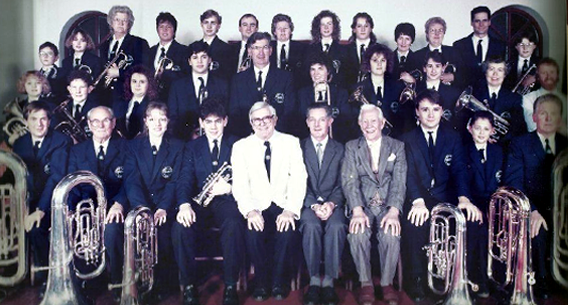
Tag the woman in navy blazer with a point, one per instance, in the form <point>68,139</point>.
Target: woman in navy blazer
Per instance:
<point>80,45</point>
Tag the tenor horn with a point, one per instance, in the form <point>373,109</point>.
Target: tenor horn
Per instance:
<point>560,219</point>
<point>447,256</point>
<point>467,100</point>
<point>13,209</point>
<point>78,236</point>
<point>409,91</point>
<point>140,255</point>
<point>510,243</point>
<point>16,126</point>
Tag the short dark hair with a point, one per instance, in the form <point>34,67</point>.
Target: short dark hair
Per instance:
<point>321,58</point>
<point>50,45</point>
<point>525,34</point>
<point>315,31</point>
<point>198,47</point>
<point>211,13</point>
<point>212,106</point>
<point>480,9</point>
<point>354,25</point>
<point>435,56</point>
<point>380,49</point>
<point>405,28</point>
<point>167,17</point>
<point>323,106</point>
<point>247,15</point>
<point>80,74</point>
<point>549,97</point>
<point>281,17</point>
<point>430,95</point>
<point>151,93</point>
<point>495,60</point>
<point>258,36</point>
<point>36,106</point>
<point>481,114</point>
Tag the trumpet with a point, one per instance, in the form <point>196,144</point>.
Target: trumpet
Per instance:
<point>16,126</point>
<point>519,88</point>
<point>204,197</point>
<point>467,100</point>
<point>14,208</point>
<point>68,125</point>
<point>560,220</point>
<point>140,255</point>
<point>446,254</point>
<point>164,64</point>
<point>122,64</point>
<point>510,243</point>
<point>358,97</point>
<point>245,64</point>
<point>409,91</point>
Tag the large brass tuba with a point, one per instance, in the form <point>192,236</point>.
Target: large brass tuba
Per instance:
<point>69,125</point>
<point>17,125</point>
<point>510,243</point>
<point>140,255</point>
<point>13,209</point>
<point>447,256</point>
<point>78,236</point>
<point>560,219</point>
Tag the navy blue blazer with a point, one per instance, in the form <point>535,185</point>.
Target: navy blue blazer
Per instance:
<point>472,68</point>
<point>198,165</point>
<point>221,56</point>
<point>529,170</point>
<point>407,66</point>
<point>513,78</point>
<point>88,59</point>
<point>120,107</point>
<point>338,54</point>
<point>58,82</point>
<point>295,63</point>
<point>279,90</point>
<point>184,106</point>
<point>178,54</point>
<point>151,181</point>
<point>448,178</point>
<point>90,103</point>
<point>451,55</point>
<point>484,178</point>
<point>45,170</point>
<point>84,157</point>
<point>323,184</point>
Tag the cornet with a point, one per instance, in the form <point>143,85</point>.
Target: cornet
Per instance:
<point>122,64</point>
<point>204,197</point>
<point>16,126</point>
<point>560,219</point>
<point>409,92</point>
<point>519,88</point>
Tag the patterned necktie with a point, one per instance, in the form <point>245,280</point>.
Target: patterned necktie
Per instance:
<point>479,52</point>
<point>267,156</point>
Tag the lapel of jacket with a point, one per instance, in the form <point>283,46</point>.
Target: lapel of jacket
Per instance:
<point>112,152</point>
<point>491,165</point>
<point>270,79</point>
<point>225,150</point>
<point>476,160</point>
<point>363,152</point>
<point>328,155</point>
<point>312,161</point>
<point>91,156</point>
<point>369,91</point>
<point>385,154</point>
<point>537,147</point>
<point>44,146</point>
<point>145,150</point>
<point>160,158</point>
<point>438,151</point>
<point>205,153</point>
<point>250,79</point>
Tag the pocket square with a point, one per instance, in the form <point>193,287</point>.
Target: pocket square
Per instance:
<point>392,157</point>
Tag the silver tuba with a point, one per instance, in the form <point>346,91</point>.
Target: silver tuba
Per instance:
<point>560,219</point>
<point>447,256</point>
<point>204,197</point>
<point>140,255</point>
<point>467,100</point>
<point>409,91</point>
<point>78,236</point>
<point>17,125</point>
<point>13,210</point>
<point>510,243</point>
<point>69,125</point>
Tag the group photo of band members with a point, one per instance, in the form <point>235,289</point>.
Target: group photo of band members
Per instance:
<point>309,165</point>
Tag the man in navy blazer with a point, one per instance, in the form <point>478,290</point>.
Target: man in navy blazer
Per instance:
<point>529,167</point>
<point>45,153</point>
<point>204,156</point>
<point>436,173</point>
<point>287,54</point>
<point>261,82</point>
<point>187,94</point>
<point>478,41</point>
<point>248,25</point>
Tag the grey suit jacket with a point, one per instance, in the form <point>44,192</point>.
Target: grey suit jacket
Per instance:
<point>325,184</point>
<point>359,182</point>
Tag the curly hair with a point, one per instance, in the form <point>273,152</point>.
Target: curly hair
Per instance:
<point>377,49</point>
<point>21,85</point>
<point>316,34</point>
<point>120,9</point>
<point>151,93</point>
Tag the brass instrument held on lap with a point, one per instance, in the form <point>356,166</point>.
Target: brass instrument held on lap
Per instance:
<point>510,243</point>
<point>359,97</point>
<point>447,256</point>
<point>519,88</point>
<point>467,100</point>
<point>165,64</point>
<point>125,61</point>
<point>68,125</point>
<point>560,219</point>
<point>13,210</point>
<point>409,92</point>
<point>16,126</point>
<point>245,64</point>
<point>204,197</point>
<point>78,236</point>
<point>140,255</point>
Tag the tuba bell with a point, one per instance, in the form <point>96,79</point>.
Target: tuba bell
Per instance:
<point>409,91</point>
<point>78,236</point>
<point>510,243</point>
<point>560,219</point>
<point>447,256</point>
<point>16,126</point>
<point>140,255</point>
<point>467,100</point>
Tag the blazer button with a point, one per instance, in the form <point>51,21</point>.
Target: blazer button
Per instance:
<point>152,195</point>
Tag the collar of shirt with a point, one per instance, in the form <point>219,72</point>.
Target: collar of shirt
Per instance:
<point>104,144</point>
<point>34,139</point>
<point>482,146</point>
<point>433,83</point>
<point>551,142</point>
<point>210,41</point>
<point>155,142</point>
<point>432,49</point>
<point>264,73</point>
<point>325,41</point>
<point>81,103</point>
<point>494,90</point>
<point>399,54</point>
<point>211,144</point>
<point>378,82</point>
<point>434,133</point>
<point>323,142</point>
<point>77,55</point>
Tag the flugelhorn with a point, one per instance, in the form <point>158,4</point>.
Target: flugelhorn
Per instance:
<point>447,256</point>
<point>13,210</point>
<point>510,243</point>
<point>121,64</point>
<point>560,219</point>
<point>69,125</point>
<point>204,197</point>
<point>409,91</point>
<point>140,255</point>
<point>359,97</point>
<point>519,88</point>
<point>467,100</point>
<point>78,236</point>
<point>16,126</point>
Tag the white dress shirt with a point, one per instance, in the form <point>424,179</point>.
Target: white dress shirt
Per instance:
<point>159,52</point>
<point>484,45</point>
<point>264,74</point>
<point>435,84</point>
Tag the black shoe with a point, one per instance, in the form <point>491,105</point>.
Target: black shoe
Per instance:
<point>155,297</point>
<point>312,296</point>
<point>260,294</point>
<point>116,294</point>
<point>190,296</point>
<point>230,296</point>
<point>280,292</point>
<point>416,290</point>
<point>41,290</point>
<point>328,296</point>
<point>541,290</point>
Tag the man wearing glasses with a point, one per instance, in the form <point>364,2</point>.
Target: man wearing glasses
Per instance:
<point>525,45</point>
<point>261,82</point>
<point>269,185</point>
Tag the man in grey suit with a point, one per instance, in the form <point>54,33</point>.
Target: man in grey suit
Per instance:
<point>323,213</point>
<point>374,182</point>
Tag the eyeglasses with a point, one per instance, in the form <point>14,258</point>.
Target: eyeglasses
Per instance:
<point>97,122</point>
<point>257,48</point>
<point>523,45</point>
<point>258,121</point>
<point>436,31</point>
<point>42,54</point>
<point>118,20</point>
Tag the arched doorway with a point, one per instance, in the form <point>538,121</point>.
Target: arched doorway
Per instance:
<point>510,22</point>
<point>94,23</point>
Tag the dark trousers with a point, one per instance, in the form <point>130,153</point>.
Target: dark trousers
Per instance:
<point>477,251</point>
<point>270,251</point>
<point>413,240</point>
<point>39,242</point>
<point>165,271</point>
<point>114,244</point>
<point>540,253</point>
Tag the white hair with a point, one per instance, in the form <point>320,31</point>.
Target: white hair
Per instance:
<point>370,107</point>
<point>259,105</point>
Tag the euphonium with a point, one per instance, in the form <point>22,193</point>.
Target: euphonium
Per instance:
<point>519,88</point>
<point>122,64</point>
<point>560,219</point>
<point>358,96</point>
<point>78,236</point>
<point>409,92</point>
<point>140,255</point>
<point>204,197</point>
<point>68,125</point>
<point>510,243</point>
<point>16,126</point>
<point>446,254</point>
<point>13,210</point>
<point>467,100</point>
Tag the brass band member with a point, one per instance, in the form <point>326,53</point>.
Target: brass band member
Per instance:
<point>34,85</point>
<point>403,61</point>
<point>361,39</point>
<point>269,184</point>
<point>521,60</point>
<point>288,54</point>
<point>248,25</point>
<point>48,56</point>
<point>374,182</point>
<point>80,46</point>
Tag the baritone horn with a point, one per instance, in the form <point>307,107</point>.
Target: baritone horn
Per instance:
<point>510,243</point>
<point>13,210</point>
<point>447,256</point>
<point>467,100</point>
<point>560,219</point>
<point>16,126</point>
<point>140,255</point>
<point>77,236</point>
